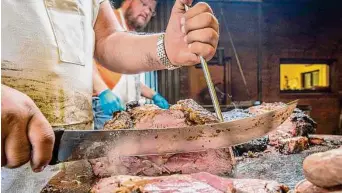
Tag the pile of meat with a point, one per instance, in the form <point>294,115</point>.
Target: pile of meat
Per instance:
<point>177,172</point>
<point>184,113</point>
<point>323,171</point>
<point>197,182</point>
<point>185,172</point>
<point>290,137</point>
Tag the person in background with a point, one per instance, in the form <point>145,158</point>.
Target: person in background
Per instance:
<point>112,90</point>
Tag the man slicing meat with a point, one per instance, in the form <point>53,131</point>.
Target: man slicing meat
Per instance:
<point>133,15</point>
<point>48,48</point>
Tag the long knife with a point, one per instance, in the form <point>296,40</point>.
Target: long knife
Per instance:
<point>73,145</point>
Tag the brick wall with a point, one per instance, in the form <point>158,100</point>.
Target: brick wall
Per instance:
<point>308,30</point>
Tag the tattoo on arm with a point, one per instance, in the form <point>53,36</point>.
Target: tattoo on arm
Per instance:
<point>149,59</point>
<point>152,62</point>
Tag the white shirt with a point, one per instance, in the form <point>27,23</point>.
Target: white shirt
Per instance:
<point>128,88</point>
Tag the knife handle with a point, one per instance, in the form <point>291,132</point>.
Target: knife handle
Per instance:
<point>58,137</point>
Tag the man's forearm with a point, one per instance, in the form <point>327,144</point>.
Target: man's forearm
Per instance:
<point>98,84</point>
<point>189,34</point>
<point>120,51</point>
<point>146,91</point>
<point>129,53</point>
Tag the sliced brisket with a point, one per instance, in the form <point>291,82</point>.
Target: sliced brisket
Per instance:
<point>184,113</point>
<point>218,162</point>
<point>198,182</point>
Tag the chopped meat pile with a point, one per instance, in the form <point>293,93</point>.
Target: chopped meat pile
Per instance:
<point>184,113</point>
<point>120,121</point>
<point>195,114</point>
<point>298,124</point>
<point>197,182</point>
<point>293,145</point>
<point>304,123</point>
<point>256,145</point>
<point>290,137</point>
<point>147,116</point>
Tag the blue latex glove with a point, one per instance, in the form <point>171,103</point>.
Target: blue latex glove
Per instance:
<point>110,103</point>
<point>160,101</point>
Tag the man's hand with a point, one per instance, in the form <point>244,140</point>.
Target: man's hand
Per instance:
<point>160,101</point>
<point>110,103</point>
<point>188,36</point>
<point>25,132</point>
<point>191,34</point>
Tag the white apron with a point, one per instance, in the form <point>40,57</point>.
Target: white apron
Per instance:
<point>128,88</point>
<point>47,53</point>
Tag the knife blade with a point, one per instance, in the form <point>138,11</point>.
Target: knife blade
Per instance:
<point>74,145</point>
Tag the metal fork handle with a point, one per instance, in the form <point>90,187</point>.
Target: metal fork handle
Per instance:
<point>210,85</point>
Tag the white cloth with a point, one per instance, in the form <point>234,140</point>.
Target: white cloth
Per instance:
<point>24,180</point>
<point>128,88</point>
<point>47,53</point>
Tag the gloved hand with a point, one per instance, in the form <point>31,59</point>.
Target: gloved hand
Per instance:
<point>110,103</point>
<point>160,101</point>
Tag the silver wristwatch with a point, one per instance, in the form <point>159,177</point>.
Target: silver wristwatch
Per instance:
<point>161,53</point>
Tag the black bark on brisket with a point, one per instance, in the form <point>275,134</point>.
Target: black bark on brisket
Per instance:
<point>305,124</point>
<point>256,145</point>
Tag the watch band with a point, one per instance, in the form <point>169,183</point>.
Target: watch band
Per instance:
<point>161,53</point>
